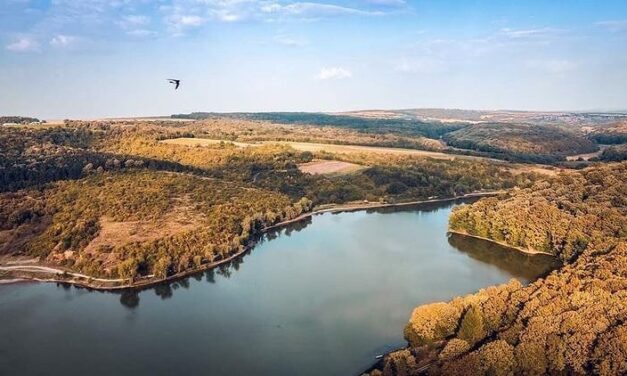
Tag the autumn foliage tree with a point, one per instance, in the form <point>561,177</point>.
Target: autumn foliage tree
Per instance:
<point>571,322</point>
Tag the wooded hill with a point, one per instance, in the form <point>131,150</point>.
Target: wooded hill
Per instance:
<point>571,322</point>
<point>367,125</point>
<point>521,142</point>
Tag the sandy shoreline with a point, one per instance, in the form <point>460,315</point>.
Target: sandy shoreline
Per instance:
<point>519,249</point>
<point>88,282</point>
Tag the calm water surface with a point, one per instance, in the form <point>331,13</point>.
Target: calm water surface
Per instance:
<point>323,297</point>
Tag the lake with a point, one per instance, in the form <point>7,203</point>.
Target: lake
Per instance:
<point>323,296</point>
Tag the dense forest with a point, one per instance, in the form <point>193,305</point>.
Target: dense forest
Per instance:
<point>370,125</point>
<point>614,153</point>
<point>30,156</point>
<point>111,200</point>
<point>521,142</point>
<point>612,134</point>
<point>571,322</point>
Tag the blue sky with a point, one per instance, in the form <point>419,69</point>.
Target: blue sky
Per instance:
<point>94,58</point>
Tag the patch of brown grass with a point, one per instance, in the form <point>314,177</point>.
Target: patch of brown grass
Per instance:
<point>181,219</point>
<point>329,167</point>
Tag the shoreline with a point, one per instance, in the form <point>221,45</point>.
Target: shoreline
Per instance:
<point>503,244</point>
<point>88,282</point>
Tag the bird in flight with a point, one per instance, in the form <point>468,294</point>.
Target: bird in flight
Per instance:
<point>175,82</point>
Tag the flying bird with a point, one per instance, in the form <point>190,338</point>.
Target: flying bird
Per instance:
<point>176,83</point>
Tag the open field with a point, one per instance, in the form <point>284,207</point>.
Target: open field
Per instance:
<point>329,148</point>
<point>329,167</point>
<point>333,148</point>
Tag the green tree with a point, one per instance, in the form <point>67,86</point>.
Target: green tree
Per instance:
<point>472,329</point>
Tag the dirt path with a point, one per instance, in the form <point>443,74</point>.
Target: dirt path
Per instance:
<point>520,249</point>
<point>48,270</point>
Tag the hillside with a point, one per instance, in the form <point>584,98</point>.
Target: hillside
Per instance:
<point>614,153</point>
<point>368,125</point>
<point>614,133</point>
<point>465,132</point>
<point>521,141</point>
<point>571,322</point>
<point>110,200</point>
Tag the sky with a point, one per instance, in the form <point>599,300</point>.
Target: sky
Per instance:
<point>97,58</point>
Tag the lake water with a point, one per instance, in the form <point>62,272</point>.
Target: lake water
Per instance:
<point>321,297</point>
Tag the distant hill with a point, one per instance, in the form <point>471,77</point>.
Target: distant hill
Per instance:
<point>370,125</point>
<point>520,139</point>
<point>537,137</point>
<point>562,118</point>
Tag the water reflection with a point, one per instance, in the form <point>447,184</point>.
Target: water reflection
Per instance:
<point>164,290</point>
<point>425,207</point>
<point>519,264</point>
<point>325,300</point>
<point>130,299</point>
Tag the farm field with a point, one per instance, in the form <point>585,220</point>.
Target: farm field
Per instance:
<point>329,167</point>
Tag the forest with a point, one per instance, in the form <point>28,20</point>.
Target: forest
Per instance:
<point>570,322</point>
<point>614,153</point>
<point>110,200</point>
<point>521,142</point>
<point>612,134</point>
<point>368,125</point>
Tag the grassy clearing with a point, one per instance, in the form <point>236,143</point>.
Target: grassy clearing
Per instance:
<point>319,147</point>
<point>330,168</point>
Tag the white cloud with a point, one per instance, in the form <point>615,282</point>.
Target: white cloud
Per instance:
<point>529,33</point>
<point>62,41</point>
<point>313,10</point>
<point>613,26</point>
<point>333,73</point>
<point>179,23</point>
<point>23,44</point>
<point>141,33</point>
<point>189,20</point>
<point>388,3</point>
<point>226,16</point>
<point>135,20</point>
<point>135,25</point>
<point>264,10</point>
